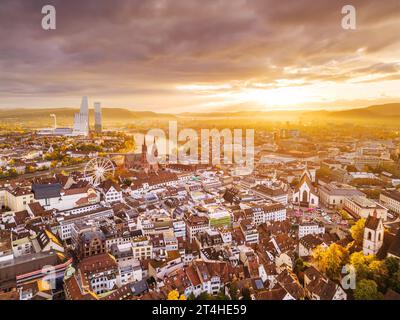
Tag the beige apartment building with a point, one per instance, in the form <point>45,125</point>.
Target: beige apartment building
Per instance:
<point>391,200</point>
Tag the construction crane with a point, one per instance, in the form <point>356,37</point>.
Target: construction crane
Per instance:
<point>55,120</point>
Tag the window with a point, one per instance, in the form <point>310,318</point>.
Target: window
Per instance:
<point>369,235</point>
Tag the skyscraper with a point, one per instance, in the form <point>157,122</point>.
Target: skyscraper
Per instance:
<point>85,107</point>
<point>81,119</point>
<point>97,117</point>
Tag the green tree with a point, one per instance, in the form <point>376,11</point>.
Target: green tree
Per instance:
<point>204,296</point>
<point>392,265</point>
<point>233,291</point>
<point>394,281</point>
<point>361,264</point>
<point>192,296</point>
<point>379,273</point>
<point>221,296</point>
<point>246,294</point>
<point>367,290</point>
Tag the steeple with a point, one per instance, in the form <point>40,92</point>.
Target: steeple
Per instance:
<point>154,149</point>
<point>144,161</point>
<point>144,146</point>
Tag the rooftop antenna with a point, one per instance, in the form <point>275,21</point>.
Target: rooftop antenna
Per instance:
<point>55,120</point>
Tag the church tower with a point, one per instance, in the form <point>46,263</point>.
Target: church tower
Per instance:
<point>373,235</point>
<point>154,150</point>
<point>154,155</point>
<point>143,160</point>
<point>144,151</point>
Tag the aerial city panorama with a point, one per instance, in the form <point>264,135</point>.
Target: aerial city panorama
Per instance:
<point>199,150</point>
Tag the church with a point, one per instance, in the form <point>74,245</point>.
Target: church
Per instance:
<point>143,161</point>
<point>305,194</point>
<point>373,235</point>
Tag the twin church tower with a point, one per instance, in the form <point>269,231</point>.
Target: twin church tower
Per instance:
<point>81,119</point>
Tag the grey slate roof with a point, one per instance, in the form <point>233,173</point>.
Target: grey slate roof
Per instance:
<point>46,191</point>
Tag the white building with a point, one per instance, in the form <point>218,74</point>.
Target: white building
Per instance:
<point>179,228</point>
<point>53,196</point>
<point>81,119</point>
<point>196,224</point>
<point>17,199</point>
<point>305,193</point>
<point>66,222</point>
<point>249,231</point>
<point>310,228</point>
<point>98,273</point>
<point>274,194</point>
<point>111,192</point>
<point>333,195</point>
<point>361,207</point>
<point>269,212</point>
<point>391,200</point>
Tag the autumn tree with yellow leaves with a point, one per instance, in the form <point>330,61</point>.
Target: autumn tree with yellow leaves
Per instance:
<point>174,295</point>
<point>357,231</point>
<point>330,260</point>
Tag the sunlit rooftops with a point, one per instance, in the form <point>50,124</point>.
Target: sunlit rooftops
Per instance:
<point>364,202</point>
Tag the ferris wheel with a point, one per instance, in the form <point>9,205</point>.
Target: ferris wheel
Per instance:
<point>98,170</point>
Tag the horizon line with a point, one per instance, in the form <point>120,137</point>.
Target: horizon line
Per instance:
<point>209,111</point>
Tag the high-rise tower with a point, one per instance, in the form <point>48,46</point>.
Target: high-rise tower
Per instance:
<point>85,107</point>
<point>81,119</point>
<point>97,117</point>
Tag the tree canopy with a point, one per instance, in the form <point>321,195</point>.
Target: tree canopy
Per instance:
<point>357,231</point>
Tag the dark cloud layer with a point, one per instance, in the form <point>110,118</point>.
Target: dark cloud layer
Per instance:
<point>145,48</point>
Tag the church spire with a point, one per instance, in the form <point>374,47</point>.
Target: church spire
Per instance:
<point>154,149</point>
<point>144,148</point>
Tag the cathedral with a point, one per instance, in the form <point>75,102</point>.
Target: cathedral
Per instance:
<point>144,161</point>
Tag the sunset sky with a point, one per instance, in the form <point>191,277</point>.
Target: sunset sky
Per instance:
<point>200,56</point>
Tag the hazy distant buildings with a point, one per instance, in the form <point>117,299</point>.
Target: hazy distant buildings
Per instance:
<point>55,132</point>
<point>81,119</point>
<point>81,125</point>
<point>97,117</point>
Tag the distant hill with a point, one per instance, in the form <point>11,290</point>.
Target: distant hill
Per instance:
<point>65,116</point>
<point>376,111</point>
<point>69,112</point>
<point>391,109</point>
<point>386,114</point>
<point>382,113</point>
